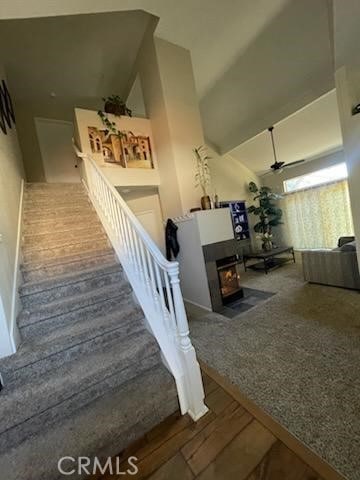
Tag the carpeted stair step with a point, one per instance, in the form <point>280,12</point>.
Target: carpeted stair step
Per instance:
<point>48,359</point>
<point>56,243</point>
<point>54,187</point>
<point>45,271</point>
<point>85,346</point>
<point>34,239</point>
<point>98,308</point>
<point>73,372</point>
<point>72,304</point>
<point>122,316</point>
<point>33,199</point>
<point>48,291</point>
<point>39,256</point>
<point>40,214</point>
<point>102,429</point>
<point>50,398</point>
<point>66,259</point>
<point>31,225</point>
<point>69,203</point>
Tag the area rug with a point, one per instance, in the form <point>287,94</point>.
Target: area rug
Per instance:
<point>297,356</point>
<point>251,299</point>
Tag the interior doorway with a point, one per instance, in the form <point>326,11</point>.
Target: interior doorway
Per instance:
<point>58,157</point>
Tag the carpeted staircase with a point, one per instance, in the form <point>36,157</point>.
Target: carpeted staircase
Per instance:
<point>87,379</point>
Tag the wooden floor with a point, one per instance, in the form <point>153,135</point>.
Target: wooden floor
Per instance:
<point>228,443</point>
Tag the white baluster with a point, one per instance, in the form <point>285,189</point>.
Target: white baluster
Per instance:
<point>155,296</point>
<point>145,267</point>
<point>195,390</point>
<point>170,304</point>
<point>160,288</point>
<point>137,253</point>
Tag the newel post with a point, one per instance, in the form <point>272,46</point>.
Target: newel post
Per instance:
<point>193,379</point>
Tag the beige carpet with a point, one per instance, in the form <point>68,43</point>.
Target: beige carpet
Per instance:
<point>297,356</point>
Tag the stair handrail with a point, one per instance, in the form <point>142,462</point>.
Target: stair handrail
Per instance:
<point>155,282</point>
<point>137,225</point>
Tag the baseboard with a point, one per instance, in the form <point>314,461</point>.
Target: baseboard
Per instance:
<point>197,304</point>
<point>15,301</point>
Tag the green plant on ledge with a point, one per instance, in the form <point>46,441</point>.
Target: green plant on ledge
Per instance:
<point>202,175</point>
<point>269,214</point>
<point>116,106</point>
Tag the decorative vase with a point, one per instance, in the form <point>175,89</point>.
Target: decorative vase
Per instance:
<point>267,246</point>
<point>206,202</point>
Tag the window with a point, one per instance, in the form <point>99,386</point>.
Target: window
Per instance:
<point>325,175</point>
<point>317,217</point>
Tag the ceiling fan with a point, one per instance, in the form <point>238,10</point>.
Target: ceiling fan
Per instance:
<point>277,167</point>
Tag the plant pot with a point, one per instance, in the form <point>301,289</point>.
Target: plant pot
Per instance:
<point>206,202</point>
<point>267,246</point>
<point>115,109</point>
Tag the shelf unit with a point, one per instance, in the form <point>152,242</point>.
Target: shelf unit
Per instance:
<point>239,217</point>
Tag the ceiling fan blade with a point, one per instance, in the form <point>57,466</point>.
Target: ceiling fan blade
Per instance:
<point>292,164</point>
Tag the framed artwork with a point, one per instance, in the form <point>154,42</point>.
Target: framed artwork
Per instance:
<point>128,149</point>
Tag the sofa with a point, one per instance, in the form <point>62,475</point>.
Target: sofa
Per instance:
<point>338,267</point>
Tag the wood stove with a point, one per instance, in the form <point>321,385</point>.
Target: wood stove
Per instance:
<point>229,278</point>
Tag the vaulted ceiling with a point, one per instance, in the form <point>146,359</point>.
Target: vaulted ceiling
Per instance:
<point>56,63</point>
<point>255,61</point>
<point>312,131</point>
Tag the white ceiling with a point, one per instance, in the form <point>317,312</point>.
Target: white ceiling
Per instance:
<point>308,133</point>
<point>71,60</point>
<point>215,32</point>
<point>255,61</point>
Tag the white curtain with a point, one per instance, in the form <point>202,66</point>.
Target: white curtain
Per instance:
<point>317,217</point>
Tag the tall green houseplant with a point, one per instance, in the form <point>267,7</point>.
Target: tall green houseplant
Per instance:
<point>269,214</point>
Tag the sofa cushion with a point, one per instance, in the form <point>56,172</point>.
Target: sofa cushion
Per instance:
<point>343,240</point>
<point>348,247</point>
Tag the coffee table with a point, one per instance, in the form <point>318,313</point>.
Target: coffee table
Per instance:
<point>269,259</point>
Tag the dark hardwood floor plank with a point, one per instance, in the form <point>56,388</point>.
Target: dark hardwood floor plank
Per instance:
<point>174,469</point>
<point>218,400</point>
<point>156,457</point>
<point>227,429</point>
<point>194,444</point>
<point>281,463</point>
<point>242,455</point>
<point>209,384</point>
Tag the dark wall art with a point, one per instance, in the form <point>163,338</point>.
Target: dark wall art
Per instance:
<point>7,116</point>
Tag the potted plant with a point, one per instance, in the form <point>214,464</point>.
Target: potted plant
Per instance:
<point>269,214</point>
<point>202,176</point>
<point>115,105</point>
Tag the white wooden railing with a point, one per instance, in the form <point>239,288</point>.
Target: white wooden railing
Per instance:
<point>155,282</point>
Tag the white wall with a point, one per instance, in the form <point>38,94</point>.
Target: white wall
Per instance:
<point>145,203</point>
<point>230,178</point>
<point>193,276</point>
<point>115,173</point>
<point>183,116</point>
<point>57,153</point>
<point>214,225</point>
<point>11,175</point>
<point>135,100</point>
<point>168,87</point>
